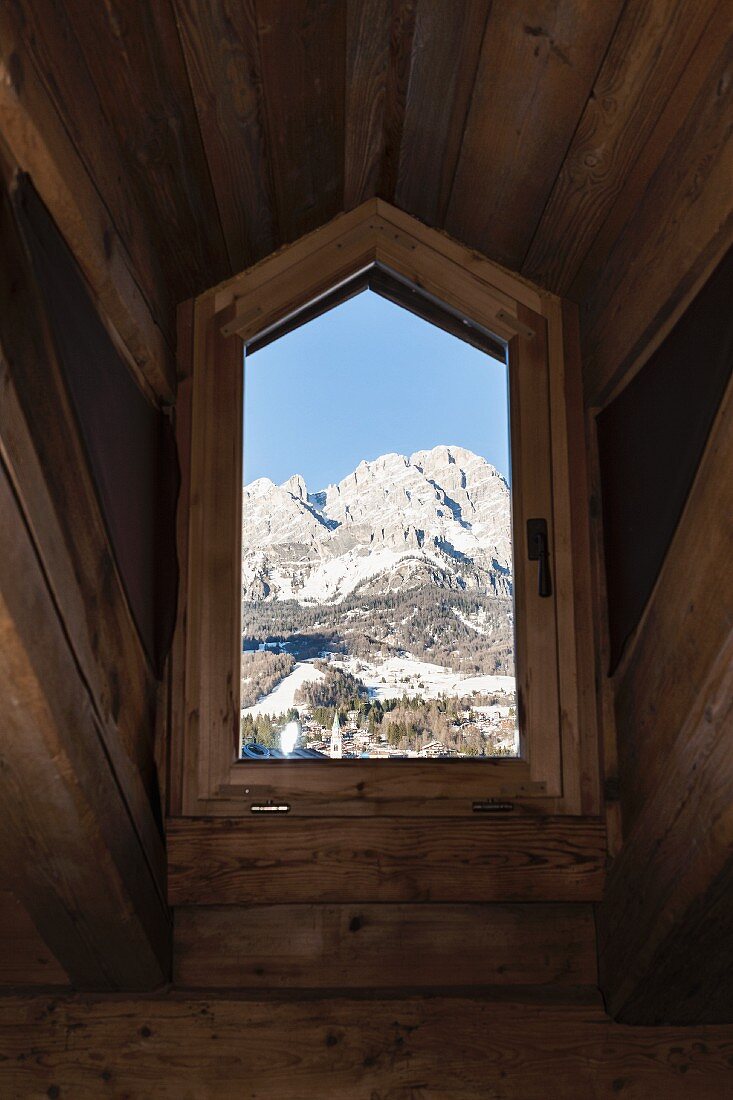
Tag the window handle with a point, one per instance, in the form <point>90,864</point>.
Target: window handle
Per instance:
<point>538,550</point>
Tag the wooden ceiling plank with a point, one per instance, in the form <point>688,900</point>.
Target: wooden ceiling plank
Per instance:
<point>222,54</point>
<point>130,295</point>
<point>677,231</point>
<point>134,55</point>
<point>646,60</point>
<point>367,61</point>
<point>446,48</point>
<point>303,57</point>
<point>538,64</point>
<point>402,28</point>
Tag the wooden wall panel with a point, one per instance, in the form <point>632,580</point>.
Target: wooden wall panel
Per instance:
<point>69,845</point>
<point>432,1049</point>
<point>383,946</point>
<point>81,843</point>
<point>685,625</point>
<point>24,957</point>
<point>666,924</point>
<point>226,861</point>
<point>41,445</point>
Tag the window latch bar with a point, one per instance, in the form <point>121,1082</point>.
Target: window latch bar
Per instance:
<point>538,550</point>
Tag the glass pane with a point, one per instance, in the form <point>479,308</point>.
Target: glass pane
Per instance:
<point>377,595</point>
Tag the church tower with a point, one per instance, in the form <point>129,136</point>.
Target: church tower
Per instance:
<point>337,742</point>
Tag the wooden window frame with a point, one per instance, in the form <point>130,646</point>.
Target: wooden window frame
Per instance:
<point>558,768</point>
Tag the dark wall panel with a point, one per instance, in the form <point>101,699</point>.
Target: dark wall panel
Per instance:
<point>650,442</point>
<point>128,441</point>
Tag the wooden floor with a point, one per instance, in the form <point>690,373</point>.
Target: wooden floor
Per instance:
<point>324,1048</point>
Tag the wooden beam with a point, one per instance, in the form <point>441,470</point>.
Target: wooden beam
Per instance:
<point>419,946</point>
<point>642,272</point>
<point>243,861</point>
<point>647,57</point>
<point>333,1048</point>
<point>538,64</point>
<point>666,924</point>
<point>68,844</point>
<point>126,290</point>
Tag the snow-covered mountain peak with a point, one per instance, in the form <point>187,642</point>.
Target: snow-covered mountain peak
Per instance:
<point>439,516</point>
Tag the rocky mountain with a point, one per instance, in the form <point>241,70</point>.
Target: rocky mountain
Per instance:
<point>439,518</point>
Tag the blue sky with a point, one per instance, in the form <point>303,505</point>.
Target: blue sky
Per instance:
<point>364,379</point>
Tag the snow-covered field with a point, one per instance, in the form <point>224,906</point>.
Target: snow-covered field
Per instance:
<point>282,697</point>
<point>409,676</point>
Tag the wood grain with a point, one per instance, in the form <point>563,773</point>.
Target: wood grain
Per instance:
<point>241,861</point>
<point>367,62</point>
<point>650,269</point>
<point>383,946</point>
<point>666,922</point>
<point>45,459</point>
<point>303,54</point>
<point>646,59</point>
<point>222,54</point>
<point>402,29</point>
<point>53,50</point>
<point>134,56</point>
<point>24,958</point>
<point>683,629</point>
<point>438,1048</point>
<point>446,46</point>
<point>68,843</point>
<point>133,306</point>
<point>537,68</point>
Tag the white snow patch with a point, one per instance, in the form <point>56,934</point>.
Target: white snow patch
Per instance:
<point>282,697</point>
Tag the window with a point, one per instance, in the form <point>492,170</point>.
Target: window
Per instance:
<point>380,249</point>
<point>377,575</point>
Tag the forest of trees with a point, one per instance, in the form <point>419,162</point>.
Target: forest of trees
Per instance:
<point>424,622</point>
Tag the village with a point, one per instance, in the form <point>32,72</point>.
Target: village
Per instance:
<point>483,730</point>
